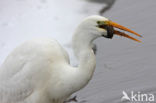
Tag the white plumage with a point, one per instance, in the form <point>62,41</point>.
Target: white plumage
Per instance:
<point>39,70</point>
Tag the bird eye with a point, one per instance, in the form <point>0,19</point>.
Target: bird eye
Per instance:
<point>101,23</point>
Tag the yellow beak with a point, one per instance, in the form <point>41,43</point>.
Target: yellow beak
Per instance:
<point>122,33</point>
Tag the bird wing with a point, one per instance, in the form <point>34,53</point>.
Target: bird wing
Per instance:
<point>29,67</point>
<point>13,92</point>
<point>13,86</point>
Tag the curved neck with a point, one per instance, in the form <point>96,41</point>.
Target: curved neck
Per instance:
<point>84,53</point>
<point>87,61</point>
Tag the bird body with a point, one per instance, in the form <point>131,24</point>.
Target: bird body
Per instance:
<point>52,63</point>
<point>39,70</point>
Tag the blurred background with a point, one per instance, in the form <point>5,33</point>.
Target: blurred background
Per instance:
<point>122,64</point>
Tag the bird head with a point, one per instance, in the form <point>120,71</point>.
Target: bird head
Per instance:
<point>98,26</point>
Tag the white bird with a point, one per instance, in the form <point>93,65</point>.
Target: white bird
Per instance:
<point>39,70</point>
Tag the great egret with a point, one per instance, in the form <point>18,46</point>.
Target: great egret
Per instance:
<point>38,71</point>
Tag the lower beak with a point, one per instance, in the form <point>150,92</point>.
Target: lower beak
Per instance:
<point>122,33</point>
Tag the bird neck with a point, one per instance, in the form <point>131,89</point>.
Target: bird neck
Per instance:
<point>82,47</point>
<point>87,62</point>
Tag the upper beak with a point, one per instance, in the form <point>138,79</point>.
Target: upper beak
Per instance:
<point>122,33</point>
